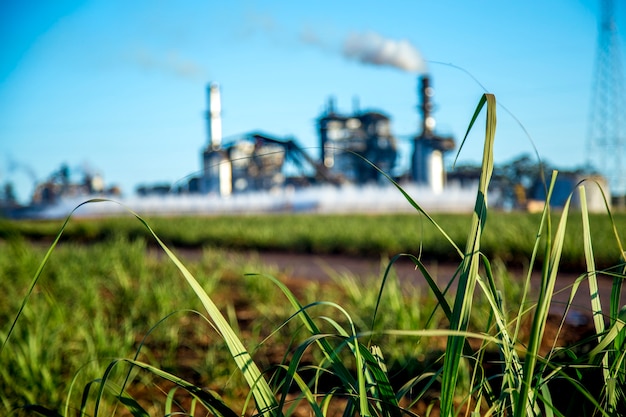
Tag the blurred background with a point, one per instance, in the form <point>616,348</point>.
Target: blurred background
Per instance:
<point>133,99</point>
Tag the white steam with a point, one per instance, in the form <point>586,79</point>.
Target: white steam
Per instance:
<point>320,199</point>
<point>372,48</point>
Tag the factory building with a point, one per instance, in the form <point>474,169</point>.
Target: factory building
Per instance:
<point>256,161</point>
<point>346,140</point>
<point>252,162</point>
<point>248,164</point>
<point>248,173</point>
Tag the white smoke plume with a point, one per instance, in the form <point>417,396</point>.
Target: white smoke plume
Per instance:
<point>372,48</point>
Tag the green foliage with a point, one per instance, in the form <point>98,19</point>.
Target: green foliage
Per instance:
<point>509,236</point>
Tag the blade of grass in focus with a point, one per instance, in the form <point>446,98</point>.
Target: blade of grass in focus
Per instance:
<point>610,372</point>
<point>553,249</point>
<point>368,369</point>
<point>467,280</point>
<point>263,395</point>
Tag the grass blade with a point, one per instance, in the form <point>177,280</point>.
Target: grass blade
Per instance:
<point>554,249</point>
<point>596,306</point>
<point>467,280</point>
<point>265,400</point>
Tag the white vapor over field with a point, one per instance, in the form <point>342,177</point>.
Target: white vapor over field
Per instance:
<point>325,199</point>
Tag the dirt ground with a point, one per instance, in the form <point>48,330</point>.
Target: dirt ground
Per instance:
<point>304,267</point>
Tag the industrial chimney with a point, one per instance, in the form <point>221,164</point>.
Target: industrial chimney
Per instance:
<point>216,166</point>
<point>426,92</point>
<point>214,116</point>
<point>427,165</point>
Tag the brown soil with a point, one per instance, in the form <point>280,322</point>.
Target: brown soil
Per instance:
<point>302,268</point>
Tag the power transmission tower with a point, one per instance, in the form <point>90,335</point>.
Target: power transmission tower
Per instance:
<point>606,144</point>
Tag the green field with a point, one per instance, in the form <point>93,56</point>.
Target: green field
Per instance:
<point>508,236</point>
<point>97,302</point>
<point>101,293</point>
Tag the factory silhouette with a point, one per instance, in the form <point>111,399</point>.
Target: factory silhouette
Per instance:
<point>259,172</point>
<point>256,161</point>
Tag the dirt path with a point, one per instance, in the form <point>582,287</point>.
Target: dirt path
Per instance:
<point>306,267</point>
<point>321,267</point>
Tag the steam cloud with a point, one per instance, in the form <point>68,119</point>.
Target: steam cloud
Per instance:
<point>372,48</point>
<point>317,199</point>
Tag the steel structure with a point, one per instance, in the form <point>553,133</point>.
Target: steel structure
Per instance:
<point>606,143</point>
<point>350,145</point>
<point>347,140</point>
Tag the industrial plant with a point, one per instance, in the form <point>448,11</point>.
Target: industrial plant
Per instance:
<point>259,172</point>
<point>356,149</point>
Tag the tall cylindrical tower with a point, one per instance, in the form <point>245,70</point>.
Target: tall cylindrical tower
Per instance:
<point>426,93</point>
<point>214,116</point>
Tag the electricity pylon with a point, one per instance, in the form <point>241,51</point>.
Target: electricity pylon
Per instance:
<point>606,145</point>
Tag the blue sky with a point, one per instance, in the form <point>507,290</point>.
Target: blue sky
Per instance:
<point>118,87</point>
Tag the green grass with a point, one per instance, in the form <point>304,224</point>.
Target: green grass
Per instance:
<point>509,237</point>
<point>105,329</point>
<point>97,302</point>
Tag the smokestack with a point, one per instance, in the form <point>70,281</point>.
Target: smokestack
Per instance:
<point>426,93</point>
<point>214,116</point>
